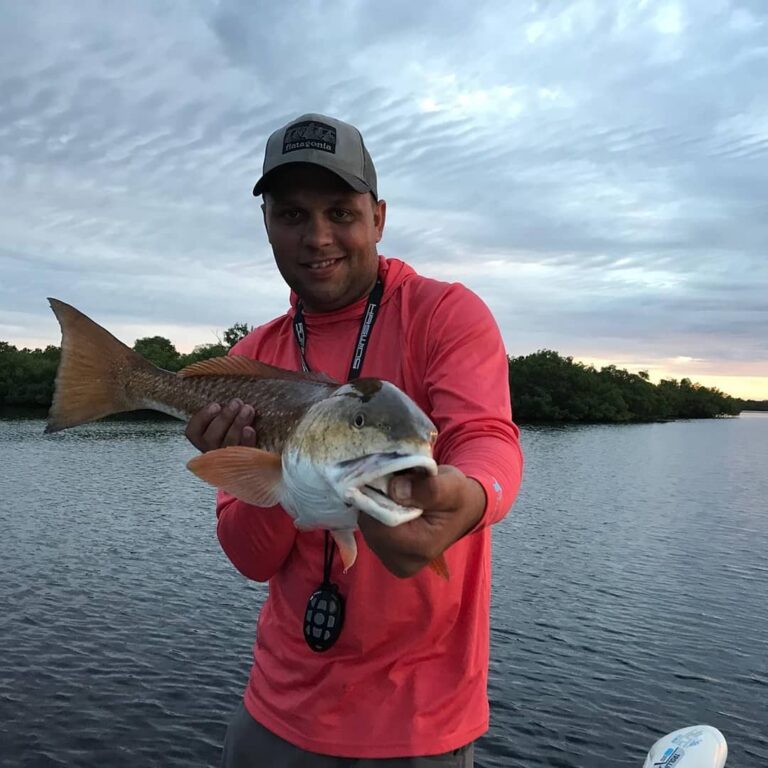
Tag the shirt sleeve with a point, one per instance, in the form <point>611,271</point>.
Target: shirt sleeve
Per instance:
<point>257,540</point>
<point>467,380</point>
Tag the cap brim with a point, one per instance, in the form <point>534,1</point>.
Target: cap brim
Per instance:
<point>353,181</point>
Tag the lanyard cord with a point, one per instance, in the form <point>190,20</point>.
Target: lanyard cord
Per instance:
<point>363,336</point>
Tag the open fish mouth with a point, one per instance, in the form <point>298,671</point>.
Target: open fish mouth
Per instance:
<point>365,483</point>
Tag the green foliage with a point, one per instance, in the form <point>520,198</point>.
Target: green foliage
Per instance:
<point>545,386</point>
<point>158,350</point>
<point>202,352</point>
<point>162,352</point>
<point>27,375</point>
<point>549,388</point>
<point>236,332</point>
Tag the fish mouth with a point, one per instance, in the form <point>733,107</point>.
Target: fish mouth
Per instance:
<point>365,483</point>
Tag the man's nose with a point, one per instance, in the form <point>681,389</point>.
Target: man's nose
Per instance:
<point>318,232</point>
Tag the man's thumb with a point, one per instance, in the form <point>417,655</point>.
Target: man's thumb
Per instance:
<point>401,489</point>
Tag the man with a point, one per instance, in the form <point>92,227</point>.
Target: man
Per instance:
<point>405,683</point>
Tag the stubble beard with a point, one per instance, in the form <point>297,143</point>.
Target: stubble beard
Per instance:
<point>349,289</point>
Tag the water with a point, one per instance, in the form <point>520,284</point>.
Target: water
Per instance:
<point>630,591</point>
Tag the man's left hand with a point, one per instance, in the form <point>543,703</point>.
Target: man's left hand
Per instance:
<point>453,504</point>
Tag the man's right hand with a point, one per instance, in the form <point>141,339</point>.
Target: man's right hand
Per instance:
<point>218,427</point>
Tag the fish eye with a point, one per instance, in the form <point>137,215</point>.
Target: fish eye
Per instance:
<point>359,420</point>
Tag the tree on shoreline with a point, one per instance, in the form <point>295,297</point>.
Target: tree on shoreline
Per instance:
<point>27,375</point>
<point>546,387</point>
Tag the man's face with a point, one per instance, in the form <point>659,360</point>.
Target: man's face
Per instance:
<point>323,235</point>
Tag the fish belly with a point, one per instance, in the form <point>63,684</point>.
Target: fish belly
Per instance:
<point>310,499</point>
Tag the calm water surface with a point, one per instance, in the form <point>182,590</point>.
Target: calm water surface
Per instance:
<point>630,594</point>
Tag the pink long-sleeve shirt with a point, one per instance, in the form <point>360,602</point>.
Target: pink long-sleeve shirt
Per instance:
<point>408,675</point>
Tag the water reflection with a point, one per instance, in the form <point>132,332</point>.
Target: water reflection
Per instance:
<point>630,586</point>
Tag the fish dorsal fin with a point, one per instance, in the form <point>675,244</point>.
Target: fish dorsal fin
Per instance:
<point>238,365</point>
<point>249,474</point>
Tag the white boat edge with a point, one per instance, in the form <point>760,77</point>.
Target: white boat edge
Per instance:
<point>695,746</point>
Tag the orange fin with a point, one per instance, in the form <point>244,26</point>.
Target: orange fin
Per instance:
<point>238,365</point>
<point>440,567</point>
<point>345,541</point>
<point>93,373</point>
<point>249,474</point>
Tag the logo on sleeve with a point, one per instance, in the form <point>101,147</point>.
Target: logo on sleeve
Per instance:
<point>310,134</point>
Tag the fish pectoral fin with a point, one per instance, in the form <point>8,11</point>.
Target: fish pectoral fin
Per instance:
<point>440,567</point>
<point>249,474</point>
<point>345,541</point>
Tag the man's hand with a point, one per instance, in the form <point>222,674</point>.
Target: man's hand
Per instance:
<point>453,504</point>
<point>216,427</point>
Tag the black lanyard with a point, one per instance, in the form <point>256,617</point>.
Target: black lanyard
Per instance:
<point>366,325</point>
<point>324,615</point>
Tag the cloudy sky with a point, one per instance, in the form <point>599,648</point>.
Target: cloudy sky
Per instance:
<point>596,170</point>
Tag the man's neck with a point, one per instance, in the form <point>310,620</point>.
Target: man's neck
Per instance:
<point>315,310</point>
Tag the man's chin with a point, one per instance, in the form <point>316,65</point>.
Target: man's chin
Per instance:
<point>319,298</point>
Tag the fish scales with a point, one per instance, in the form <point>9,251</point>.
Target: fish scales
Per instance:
<point>278,404</point>
<point>325,451</point>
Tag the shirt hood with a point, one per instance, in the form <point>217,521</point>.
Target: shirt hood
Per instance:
<point>394,273</point>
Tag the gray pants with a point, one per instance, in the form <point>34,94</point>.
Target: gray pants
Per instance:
<point>249,744</point>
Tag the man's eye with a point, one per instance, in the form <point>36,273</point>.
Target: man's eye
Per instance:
<point>341,214</point>
<point>290,214</point>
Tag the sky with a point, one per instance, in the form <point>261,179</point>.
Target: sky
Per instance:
<point>596,170</point>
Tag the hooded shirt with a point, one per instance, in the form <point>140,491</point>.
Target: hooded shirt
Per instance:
<point>408,674</point>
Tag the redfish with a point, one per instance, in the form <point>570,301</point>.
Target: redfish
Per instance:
<point>325,450</point>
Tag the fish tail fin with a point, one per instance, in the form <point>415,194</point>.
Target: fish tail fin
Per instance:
<point>93,371</point>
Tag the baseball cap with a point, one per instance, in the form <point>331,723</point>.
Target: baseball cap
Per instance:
<point>323,141</point>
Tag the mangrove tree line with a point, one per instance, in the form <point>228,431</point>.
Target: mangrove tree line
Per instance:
<point>545,386</point>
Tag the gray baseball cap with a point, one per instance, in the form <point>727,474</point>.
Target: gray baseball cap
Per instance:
<point>323,141</point>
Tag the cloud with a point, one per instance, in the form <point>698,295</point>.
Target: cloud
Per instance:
<point>593,170</point>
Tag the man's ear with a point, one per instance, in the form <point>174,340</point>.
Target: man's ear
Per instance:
<point>380,218</point>
<point>264,215</point>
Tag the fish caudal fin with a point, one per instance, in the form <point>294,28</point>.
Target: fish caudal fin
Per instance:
<point>93,371</point>
<point>440,567</point>
<point>249,474</point>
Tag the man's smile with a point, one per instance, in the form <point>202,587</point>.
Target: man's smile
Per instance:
<point>323,269</point>
<point>324,263</point>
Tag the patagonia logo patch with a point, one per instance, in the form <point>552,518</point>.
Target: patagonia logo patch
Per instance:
<point>310,135</point>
